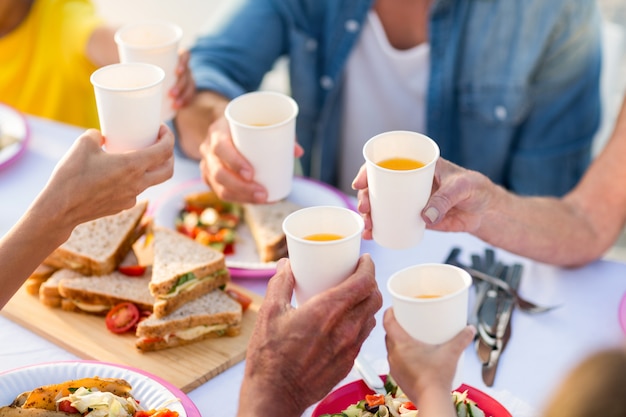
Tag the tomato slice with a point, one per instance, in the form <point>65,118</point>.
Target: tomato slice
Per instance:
<point>409,405</point>
<point>375,399</point>
<point>122,317</point>
<point>132,270</point>
<point>241,298</point>
<point>67,407</point>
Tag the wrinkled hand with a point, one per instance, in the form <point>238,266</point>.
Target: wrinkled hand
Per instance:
<point>458,202</point>
<point>182,92</point>
<point>297,355</point>
<point>423,371</point>
<point>226,170</point>
<point>89,183</point>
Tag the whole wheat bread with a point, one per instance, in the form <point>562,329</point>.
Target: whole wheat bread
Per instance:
<point>213,308</point>
<point>176,257</point>
<point>106,290</point>
<point>266,224</point>
<point>98,246</point>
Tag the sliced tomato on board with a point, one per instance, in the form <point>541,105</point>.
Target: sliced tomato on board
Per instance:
<point>132,270</point>
<point>122,317</point>
<point>241,298</point>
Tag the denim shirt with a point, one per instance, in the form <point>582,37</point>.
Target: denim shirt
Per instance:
<point>513,91</point>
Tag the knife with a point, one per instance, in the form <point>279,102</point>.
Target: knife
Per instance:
<point>503,326</point>
<point>370,376</point>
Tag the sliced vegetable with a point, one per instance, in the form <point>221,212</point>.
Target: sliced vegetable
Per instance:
<point>122,317</point>
<point>375,399</point>
<point>132,270</point>
<point>241,298</point>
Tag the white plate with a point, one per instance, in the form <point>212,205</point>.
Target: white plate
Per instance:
<point>13,123</point>
<point>149,390</point>
<point>245,263</point>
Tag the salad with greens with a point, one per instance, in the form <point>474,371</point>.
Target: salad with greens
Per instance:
<point>395,403</point>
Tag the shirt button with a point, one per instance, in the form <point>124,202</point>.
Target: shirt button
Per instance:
<point>500,112</point>
<point>326,82</point>
<point>352,25</point>
<point>311,45</point>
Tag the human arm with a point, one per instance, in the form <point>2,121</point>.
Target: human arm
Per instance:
<point>424,372</point>
<point>569,231</point>
<point>297,355</point>
<point>86,184</point>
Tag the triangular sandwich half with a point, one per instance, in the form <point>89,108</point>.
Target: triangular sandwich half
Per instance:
<point>212,315</point>
<point>266,224</point>
<point>98,294</point>
<point>98,246</point>
<point>183,270</point>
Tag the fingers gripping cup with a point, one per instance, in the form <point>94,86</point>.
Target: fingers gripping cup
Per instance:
<point>430,301</point>
<point>324,245</point>
<point>128,99</point>
<point>400,169</point>
<point>263,127</point>
<point>154,43</point>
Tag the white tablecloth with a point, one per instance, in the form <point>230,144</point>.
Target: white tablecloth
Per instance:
<point>541,350</point>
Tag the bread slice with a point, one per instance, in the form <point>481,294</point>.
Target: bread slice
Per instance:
<point>212,315</point>
<point>98,294</point>
<point>266,224</point>
<point>38,277</point>
<point>183,270</point>
<point>98,246</point>
<point>49,291</point>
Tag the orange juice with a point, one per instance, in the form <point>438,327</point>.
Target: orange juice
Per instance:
<point>424,296</point>
<point>323,237</point>
<point>400,164</point>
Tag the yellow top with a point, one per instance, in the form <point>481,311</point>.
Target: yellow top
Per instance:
<point>45,71</point>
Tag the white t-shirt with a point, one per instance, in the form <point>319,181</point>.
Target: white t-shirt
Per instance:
<point>385,89</point>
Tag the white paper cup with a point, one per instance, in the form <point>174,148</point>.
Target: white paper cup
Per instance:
<point>320,265</point>
<point>263,128</point>
<point>397,197</point>
<point>154,43</point>
<point>431,320</point>
<point>128,98</point>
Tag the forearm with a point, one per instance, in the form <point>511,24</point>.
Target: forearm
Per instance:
<point>546,229</point>
<point>28,243</point>
<point>193,121</point>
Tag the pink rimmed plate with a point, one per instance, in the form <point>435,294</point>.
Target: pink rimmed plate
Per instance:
<point>355,391</point>
<point>150,390</point>
<point>14,130</point>
<point>245,263</point>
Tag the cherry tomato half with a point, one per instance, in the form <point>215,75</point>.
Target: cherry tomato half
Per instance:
<point>241,298</point>
<point>67,407</point>
<point>375,399</point>
<point>132,270</point>
<point>122,317</point>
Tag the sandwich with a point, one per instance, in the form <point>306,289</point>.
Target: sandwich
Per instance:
<point>212,315</point>
<point>37,278</point>
<point>98,246</point>
<point>266,225</point>
<point>183,270</point>
<point>98,294</point>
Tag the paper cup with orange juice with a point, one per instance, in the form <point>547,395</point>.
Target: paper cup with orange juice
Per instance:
<point>324,244</point>
<point>430,301</point>
<point>400,169</point>
<point>263,128</point>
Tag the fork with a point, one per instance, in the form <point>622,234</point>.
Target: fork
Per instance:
<point>524,304</point>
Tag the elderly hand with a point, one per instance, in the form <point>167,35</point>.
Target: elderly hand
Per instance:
<point>459,200</point>
<point>423,371</point>
<point>297,355</point>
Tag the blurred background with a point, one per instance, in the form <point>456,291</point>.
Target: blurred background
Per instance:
<point>199,16</point>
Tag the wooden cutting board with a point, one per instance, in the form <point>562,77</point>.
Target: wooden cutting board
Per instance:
<point>86,336</point>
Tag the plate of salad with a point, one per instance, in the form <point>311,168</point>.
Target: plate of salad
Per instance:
<point>356,399</point>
